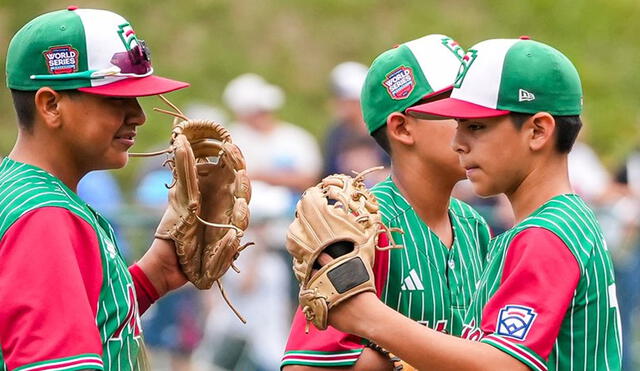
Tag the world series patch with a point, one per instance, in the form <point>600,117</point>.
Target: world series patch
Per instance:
<point>61,59</point>
<point>515,321</point>
<point>399,82</point>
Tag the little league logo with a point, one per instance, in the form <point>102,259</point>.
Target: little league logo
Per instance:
<point>467,61</point>
<point>399,82</point>
<point>61,59</point>
<point>515,321</point>
<point>454,47</point>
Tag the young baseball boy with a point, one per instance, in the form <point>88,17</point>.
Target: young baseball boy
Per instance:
<point>431,280</point>
<point>69,301</point>
<point>546,300</point>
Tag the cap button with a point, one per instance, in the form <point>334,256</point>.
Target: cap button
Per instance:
<point>72,7</point>
<point>525,37</point>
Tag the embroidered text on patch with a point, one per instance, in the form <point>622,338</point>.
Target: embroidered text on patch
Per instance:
<point>515,321</point>
<point>61,59</point>
<point>399,82</point>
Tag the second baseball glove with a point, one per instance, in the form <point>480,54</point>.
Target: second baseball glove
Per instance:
<point>340,217</point>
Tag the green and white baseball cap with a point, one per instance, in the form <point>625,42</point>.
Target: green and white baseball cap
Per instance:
<point>94,51</point>
<point>402,76</point>
<point>510,75</point>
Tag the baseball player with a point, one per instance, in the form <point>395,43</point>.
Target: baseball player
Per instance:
<point>547,299</point>
<point>69,301</point>
<point>432,279</point>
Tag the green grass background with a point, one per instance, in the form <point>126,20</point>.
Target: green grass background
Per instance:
<point>295,43</point>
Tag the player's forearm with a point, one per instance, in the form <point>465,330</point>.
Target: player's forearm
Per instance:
<point>422,347</point>
<point>160,265</point>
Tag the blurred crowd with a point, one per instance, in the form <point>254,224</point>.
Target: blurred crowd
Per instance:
<point>195,330</point>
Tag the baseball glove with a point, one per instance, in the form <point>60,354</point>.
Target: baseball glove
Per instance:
<point>208,200</point>
<point>340,217</point>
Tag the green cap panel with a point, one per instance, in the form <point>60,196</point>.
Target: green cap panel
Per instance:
<point>51,42</point>
<point>538,78</point>
<point>394,83</point>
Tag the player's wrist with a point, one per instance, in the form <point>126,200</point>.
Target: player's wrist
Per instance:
<point>355,315</point>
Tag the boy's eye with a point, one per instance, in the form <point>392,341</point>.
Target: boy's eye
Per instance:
<point>475,126</point>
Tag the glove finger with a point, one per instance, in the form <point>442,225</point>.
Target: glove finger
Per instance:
<point>185,171</point>
<point>219,260</point>
<point>243,185</point>
<point>240,214</point>
<point>233,156</point>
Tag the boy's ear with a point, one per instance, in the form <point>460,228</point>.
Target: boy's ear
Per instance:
<point>47,107</point>
<point>541,128</point>
<point>398,129</point>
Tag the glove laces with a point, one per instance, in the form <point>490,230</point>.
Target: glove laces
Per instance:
<point>177,130</point>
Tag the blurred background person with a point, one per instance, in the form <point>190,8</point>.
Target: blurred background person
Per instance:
<point>589,177</point>
<point>261,293</point>
<point>276,152</point>
<point>348,128</point>
<point>618,211</point>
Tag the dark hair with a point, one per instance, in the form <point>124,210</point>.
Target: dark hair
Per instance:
<point>380,136</point>
<point>25,106</point>
<point>567,129</point>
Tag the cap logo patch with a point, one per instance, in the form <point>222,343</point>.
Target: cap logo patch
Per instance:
<point>466,63</point>
<point>515,321</point>
<point>61,59</point>
<point>399,83</point>
<point>454,47</point>
<point>525,96</point>
<point>127,35</point>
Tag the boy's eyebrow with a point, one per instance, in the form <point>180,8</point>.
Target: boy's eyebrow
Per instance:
<point>462,120</point>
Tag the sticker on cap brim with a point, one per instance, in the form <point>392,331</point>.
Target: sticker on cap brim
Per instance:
<point>400,83</point>
<point>61,59</point>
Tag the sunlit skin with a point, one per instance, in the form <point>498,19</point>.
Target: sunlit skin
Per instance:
<point>494,154</point>
<point>77,133</point>
<point>100,130</point>
<point>74,134</point>
<point>523,163</point>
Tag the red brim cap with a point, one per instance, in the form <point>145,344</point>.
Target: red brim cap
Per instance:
<point>453,108</point>
<point>136,87</point>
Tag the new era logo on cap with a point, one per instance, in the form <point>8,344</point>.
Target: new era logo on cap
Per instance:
<point>525,96</point>
<point>499,76</point>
